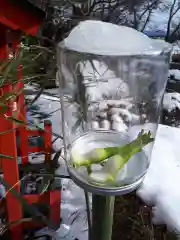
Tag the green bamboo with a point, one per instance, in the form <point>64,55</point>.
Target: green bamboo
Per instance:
<point>102,217</point>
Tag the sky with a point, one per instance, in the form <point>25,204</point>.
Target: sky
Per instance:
<point>159,19</point>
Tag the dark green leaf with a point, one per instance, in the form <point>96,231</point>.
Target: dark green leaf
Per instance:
<point>56,158</point>
<point>9,130</point>
<point>16,120</point>
<point>37,96</point>
<point>3,109</point>
<point>46,183</point>
<point>6,156</point>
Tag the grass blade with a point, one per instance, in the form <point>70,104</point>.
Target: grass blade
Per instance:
<point>32,210</point>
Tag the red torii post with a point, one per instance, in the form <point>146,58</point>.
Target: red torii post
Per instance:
<point>18,16</point>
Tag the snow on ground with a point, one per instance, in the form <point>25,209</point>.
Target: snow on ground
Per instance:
<point>176,48</point>
<point>171,101</point>
<point>175,73</point>
<point>161,184</point>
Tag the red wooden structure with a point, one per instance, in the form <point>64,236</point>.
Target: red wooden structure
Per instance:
<point>20,16</point>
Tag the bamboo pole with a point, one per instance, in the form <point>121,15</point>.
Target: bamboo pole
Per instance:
<point>102,217</point>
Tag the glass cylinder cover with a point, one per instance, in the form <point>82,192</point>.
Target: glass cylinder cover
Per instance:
<point>110,113</point>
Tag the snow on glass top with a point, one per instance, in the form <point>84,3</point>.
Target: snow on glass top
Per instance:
<point>97,37</point>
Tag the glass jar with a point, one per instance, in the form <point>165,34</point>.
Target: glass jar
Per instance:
<point>110,113</point>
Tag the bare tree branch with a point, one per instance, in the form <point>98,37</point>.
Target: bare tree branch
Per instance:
<point>175,30</point>
<point>113,8</point>
<point>147,20</point>
<point>149,8</point>
<point>99,2</point>
<point>170,19</point>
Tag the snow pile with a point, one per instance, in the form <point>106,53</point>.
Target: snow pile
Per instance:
<point>171,101</point>
<point>161,184</point>
<point>176,48</point>
<point>175,73</point>
<point>102,38</point>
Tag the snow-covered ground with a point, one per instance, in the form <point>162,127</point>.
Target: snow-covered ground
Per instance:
<point>175,74</point>
<point>171,101</point>
<point>176,48</point>
<point>161,184</point>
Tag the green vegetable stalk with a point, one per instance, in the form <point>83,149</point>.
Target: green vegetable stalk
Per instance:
<point>125,152</point>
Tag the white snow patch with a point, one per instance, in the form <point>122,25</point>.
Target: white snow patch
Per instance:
<point>161,184</point>
<point>171,101</point>
<point>176,48</point>
<point>175,73</point>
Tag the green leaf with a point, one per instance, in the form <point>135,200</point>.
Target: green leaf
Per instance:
<point>18,121</point>
<point>37,96</point>
<point>6,156</point>
<point>55,160</point>
<point>46,183</point>
<point>120,157</point>
<point>6,97</point>
<point>12,66</point>
<point>9,224</point>
<point>3,108</point>
<point>9,130</point>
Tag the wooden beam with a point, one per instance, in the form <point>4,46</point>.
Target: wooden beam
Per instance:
<point>3,43</point>
<point>18,16</point>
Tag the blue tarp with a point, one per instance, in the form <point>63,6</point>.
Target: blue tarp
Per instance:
<point>158,33</point>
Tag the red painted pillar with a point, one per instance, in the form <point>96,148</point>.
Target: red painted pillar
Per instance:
<point>10,167</point>
<point>22,129</point>
<point>21,105</point>
<point>54,196</point>
<point>8,148</point>
<point>3,55</point>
